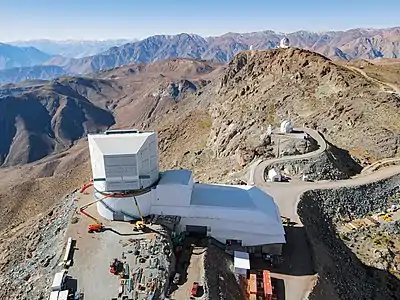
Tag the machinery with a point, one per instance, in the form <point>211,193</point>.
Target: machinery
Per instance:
<point>117,267</point>
<point>139,225</point>
<point>98,226</point>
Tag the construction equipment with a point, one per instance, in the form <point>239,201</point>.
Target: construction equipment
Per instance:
<point>139,225</point>
<point>117,267</point>
<point>97,226</point>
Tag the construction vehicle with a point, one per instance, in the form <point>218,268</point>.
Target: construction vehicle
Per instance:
<point>117,267</point>
<point>98,226</point>
<point>139,225</point>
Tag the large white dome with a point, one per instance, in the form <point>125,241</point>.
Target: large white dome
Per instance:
<point>285,43</point>
<point>286,126</point>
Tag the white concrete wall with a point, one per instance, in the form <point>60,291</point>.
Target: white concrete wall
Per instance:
<point>223,229</point>
<point>148,161</point>
<point>127,205</point>
<point>173,194</point>
<point>96,159</point>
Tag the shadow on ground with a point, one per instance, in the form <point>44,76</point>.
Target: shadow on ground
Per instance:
<point>297,255</point>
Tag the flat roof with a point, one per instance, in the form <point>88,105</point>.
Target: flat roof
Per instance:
<point>181,177</point>
<point>241,260</point>
<point>119,143</point>
<point>233,196</point>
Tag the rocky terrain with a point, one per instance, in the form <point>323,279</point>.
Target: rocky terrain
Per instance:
<point>27,272</point>
<point>210,118</point>
<point>343,267</point>
<point>219,273</point>
<point>326,166</point>
<point>86,56</point>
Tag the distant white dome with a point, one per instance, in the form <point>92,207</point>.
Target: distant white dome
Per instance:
<point>286,126</point>
<point>285,43</point>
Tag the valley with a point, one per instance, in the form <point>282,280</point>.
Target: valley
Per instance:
<point>212,118</point>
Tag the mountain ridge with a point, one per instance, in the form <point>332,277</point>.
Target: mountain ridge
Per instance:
<point>358,43</point>
<point>347,45</point>
<point>12,56</point>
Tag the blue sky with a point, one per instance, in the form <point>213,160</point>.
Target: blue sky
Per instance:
<point>104,19</point>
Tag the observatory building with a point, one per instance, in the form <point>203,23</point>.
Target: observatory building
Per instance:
<point>285,43</point>
<point>128,161</point>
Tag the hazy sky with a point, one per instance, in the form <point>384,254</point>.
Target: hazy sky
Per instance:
<point>104,19</point>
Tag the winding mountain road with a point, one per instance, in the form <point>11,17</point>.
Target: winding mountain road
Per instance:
<point>293,190</point>
<point>299,276</point>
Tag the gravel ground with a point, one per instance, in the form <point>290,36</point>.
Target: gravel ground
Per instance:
<point>337,265</point>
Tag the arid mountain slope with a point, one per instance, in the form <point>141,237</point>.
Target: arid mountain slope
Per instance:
<point>46,117</point>
<point>261,87</point>
<point>37,120</point>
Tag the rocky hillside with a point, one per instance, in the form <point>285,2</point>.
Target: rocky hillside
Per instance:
<point>351,44</point>
<point>15,57</point>
<point>261,87</point>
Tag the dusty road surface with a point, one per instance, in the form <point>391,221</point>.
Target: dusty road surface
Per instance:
<point>195,273</point>
<point>94,253</point>
<point>297,271</point>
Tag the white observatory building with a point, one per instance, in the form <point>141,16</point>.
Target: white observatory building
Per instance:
<point>286,126</point>
<point>285,43</point>
<point>127,160</point>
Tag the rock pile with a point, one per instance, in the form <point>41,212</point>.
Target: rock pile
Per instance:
<point>220,276</point>
<point>336,263</point>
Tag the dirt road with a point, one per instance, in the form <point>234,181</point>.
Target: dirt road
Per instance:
<point>195,273</point>
<point>298,275</point>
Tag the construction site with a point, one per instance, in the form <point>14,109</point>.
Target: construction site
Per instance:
<point>137,233</point>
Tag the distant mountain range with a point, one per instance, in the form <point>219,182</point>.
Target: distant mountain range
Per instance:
<point>14,57</point>
<point>72,48</point>
<point>344,45</point>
